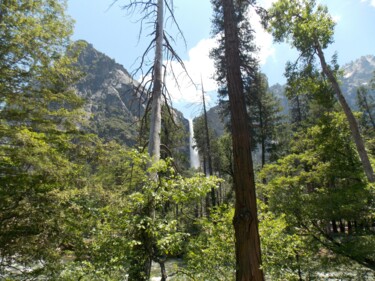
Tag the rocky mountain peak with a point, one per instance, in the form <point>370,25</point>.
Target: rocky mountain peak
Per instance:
<point>357,73</point>
<point>361,68</point>
<point>112,103</point>
<point>111,100</point>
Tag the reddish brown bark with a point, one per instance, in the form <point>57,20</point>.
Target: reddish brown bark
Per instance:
<point>248,253</point>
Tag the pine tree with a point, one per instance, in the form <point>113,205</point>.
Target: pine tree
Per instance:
<point>265,115</point>
<point>248,256</point>
<point>366,104</point>
<point>39,119</point>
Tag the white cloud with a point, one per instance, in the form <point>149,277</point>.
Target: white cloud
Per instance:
<point>263,39</point>
<point>371,2</point>
<point>337,18</point>
<point>199,66</point>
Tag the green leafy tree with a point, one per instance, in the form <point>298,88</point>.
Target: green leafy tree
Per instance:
<point>39,138</point>
<point>309,27</point>
<point>113,208</point>
<point>210,254</point>
<point>321,191</point>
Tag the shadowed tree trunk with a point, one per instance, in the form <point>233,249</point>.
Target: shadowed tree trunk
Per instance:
<point>248,254</point>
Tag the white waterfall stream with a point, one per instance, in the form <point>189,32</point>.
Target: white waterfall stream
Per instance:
<point>194,157</point>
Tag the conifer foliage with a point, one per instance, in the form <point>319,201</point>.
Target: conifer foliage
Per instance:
<point>39,117</point>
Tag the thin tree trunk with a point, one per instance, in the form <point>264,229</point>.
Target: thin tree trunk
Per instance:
<point>155,124</point>
<point>163,271</point>
<point>143,260</point>
<point>342,226</point>
<point>299,268</point>
<point>334,227</point>
<point>248,254</point>
<point>263,137</point>
<point>208,146</point>
<point>354,128</point>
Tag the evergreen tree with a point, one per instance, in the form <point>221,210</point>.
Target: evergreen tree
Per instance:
<point>249,64</point>
<point>248,257</point>
<point>39,136</point>
<point>265,115</point>
<point>366,104</point>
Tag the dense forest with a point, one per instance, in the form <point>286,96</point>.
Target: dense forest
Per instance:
<point>95,177</point>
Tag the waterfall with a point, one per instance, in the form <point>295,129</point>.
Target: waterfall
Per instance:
<point>194,157</point>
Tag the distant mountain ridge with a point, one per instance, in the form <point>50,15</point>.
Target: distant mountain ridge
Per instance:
<point>111,103</point>
<point>356,73</point>
<point>113,106</point>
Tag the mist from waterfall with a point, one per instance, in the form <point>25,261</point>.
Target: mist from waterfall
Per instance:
<point>194,157</point>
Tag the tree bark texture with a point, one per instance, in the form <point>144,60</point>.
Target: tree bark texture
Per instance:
<point>354,128</point>
<point>143,259</point>
<point>248,253</point>
<point>155,124</point>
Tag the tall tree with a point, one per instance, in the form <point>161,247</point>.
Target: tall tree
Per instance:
<point>141,265</point>
<point>152,12</point>
<point>310,30</point>
<point>208,148</point>
<point>247,243</point>
<point>39,117</point>
<point>155,126</point>
<point>265,115</point>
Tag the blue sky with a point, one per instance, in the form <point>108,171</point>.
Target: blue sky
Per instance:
<point>114,32</point>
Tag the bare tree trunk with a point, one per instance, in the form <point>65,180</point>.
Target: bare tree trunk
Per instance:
<point>208,146</point>
<point>248,253</point>
<point>155,124</point>
<point>354,128</point>
<point>141,270</point>
<point>163,271</point>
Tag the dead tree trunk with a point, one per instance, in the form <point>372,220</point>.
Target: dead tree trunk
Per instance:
<point>141,270</point>
<point>155,124</point>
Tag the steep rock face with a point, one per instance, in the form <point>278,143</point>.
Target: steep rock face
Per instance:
<point>357,73</point>
<point>279,92</point>
<point>111,102</point>
<point>113,107</point>
<point>215,120</point>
